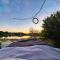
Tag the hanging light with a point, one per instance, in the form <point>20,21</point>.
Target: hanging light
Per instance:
<point>35,20</point>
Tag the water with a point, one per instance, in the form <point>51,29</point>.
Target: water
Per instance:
<point>16,37</point>
<point>8,40</point>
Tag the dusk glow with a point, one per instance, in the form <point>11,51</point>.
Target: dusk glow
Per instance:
<point>20,9</point>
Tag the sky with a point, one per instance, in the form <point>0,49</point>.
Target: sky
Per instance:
<point>21,9</point>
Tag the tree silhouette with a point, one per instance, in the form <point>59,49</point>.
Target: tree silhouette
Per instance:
<point>51,27</point>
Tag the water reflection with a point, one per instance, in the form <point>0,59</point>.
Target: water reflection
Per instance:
<point>16,37</point>
<point>5,41</point>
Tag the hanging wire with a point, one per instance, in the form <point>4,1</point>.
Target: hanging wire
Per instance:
<point>57,1</point>
<point>23,18</point>
<point>40,9</point>
<point>33,17</point>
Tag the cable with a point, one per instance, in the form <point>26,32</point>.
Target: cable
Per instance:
<point>23,18</point>
<point>35,14</point>
<point>57,1</point>
<point>40,8</point>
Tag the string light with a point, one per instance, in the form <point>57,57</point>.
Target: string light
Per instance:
<point>34,17</point>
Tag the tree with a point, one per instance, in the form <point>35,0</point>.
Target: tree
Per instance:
<point>34,33</point>
<point>51,28</point>
<point>1,33</point>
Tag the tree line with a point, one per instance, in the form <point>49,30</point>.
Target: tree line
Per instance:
<point>51,28</point>
<point>6,34</point>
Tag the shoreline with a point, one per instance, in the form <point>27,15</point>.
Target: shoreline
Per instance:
<point>28,42</point>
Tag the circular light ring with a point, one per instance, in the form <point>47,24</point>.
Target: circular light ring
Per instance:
<point>36,20</point>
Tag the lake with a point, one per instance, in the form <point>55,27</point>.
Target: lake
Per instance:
<point>5,41</point>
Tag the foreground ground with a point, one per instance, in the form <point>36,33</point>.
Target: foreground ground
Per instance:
<point>37,52</point>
